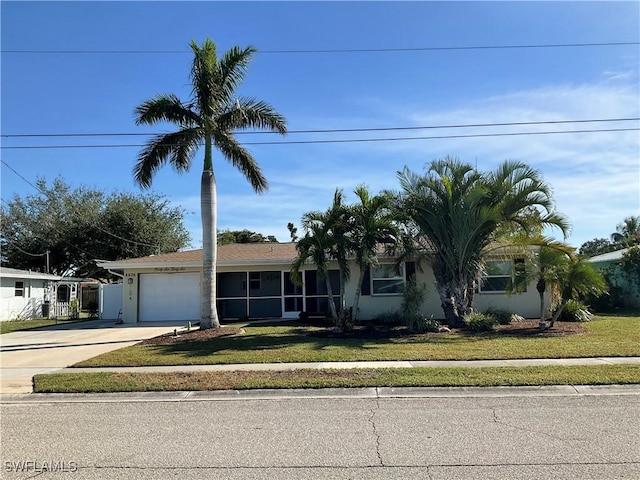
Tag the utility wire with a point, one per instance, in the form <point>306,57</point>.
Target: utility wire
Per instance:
<point>335,130</point>
<point>13,245</point>
<point>96,226</point>
<point>350,140</point>
<point>336,50</point>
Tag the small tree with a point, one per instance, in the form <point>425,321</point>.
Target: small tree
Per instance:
<point>574,279</point>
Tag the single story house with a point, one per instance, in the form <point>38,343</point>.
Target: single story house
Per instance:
<point>609,263</point>
<point>253,280</point>
<point>23,293</point>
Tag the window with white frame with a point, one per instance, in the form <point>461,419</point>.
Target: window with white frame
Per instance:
<point>387,279</point>
<point>502,275</point>
<point>19,291</point>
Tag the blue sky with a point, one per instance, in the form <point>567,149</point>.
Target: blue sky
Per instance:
<point>595,176</point>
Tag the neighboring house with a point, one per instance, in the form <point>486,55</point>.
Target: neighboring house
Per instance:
<point>23,293</point>
<point>68,289</point>
<point>609,264</point>
<point>253,280</point>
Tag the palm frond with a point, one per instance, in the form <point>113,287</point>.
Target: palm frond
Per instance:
<point>165,108</point>
<point>177,147</point>
<point>245,113</point>
<point>205,78</point>
<point>242,160</point>
<point>233,67</point>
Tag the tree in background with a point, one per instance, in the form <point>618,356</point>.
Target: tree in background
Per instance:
<point>459,212</point>
<point>627,233</point>
<point>597,246</point>
<point>226,237</point>
<point>211,116</point>
<point>79,226</point>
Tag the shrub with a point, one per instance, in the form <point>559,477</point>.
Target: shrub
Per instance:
<point>503,316</point>
<point>574,311</point>
<point>412,300</point>
<point>423,324</point>
<point>392,317</point>
<point>480,322</point>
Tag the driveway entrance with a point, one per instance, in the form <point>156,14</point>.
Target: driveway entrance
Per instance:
<point>26,353</point>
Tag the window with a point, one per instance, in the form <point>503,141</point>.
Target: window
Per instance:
<point>387,279</point>
<point>19,289</point>
<point>254,280</point>
<point>501,275</point>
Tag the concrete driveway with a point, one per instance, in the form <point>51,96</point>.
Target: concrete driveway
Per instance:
<point>26,353</point>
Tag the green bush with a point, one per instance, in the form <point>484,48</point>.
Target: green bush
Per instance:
<point>480,322</point>
<point>503,316</point>
<point>412,300</point>
<point>574,311</point>
<point>392,317</point>
<point>424,324</point>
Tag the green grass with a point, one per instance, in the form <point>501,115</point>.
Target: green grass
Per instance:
<point>390,377</point>
<point>605,336</point>
<point>17,325</point>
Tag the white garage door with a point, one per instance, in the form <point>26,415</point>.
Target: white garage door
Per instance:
<point>169,296</point>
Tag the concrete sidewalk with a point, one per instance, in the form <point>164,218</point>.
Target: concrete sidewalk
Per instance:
<point>346,365</point>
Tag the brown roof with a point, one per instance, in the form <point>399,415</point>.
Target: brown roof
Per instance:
<point>235,253</point>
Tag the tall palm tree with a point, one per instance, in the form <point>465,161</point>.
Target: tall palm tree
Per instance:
<point>459,210</point>
<point>210,116</point>
<point>373,223</point>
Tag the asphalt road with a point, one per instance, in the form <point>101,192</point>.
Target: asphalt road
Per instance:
<point>529,436</point>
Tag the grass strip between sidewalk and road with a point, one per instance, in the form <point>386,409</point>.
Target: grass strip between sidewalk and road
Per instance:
<point>610,336</point>
<point>102,382</point>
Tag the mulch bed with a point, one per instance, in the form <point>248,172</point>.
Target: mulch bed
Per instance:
<point>194,335</point>
<point>526,328</point>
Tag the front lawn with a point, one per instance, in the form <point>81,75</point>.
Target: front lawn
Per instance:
<point>608,336</point>
<point>386,377</point>
<point>17,325</point>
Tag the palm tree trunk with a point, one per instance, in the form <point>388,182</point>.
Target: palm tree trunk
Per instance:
<point>208,207</point>
<point>356,300</point>
<point>332,304</point>
<point>557,314</point>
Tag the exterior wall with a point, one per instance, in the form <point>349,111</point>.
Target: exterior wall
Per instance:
<point>526,304</point>
<point>28,306</point>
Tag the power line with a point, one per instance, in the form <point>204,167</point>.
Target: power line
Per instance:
<point>334,130</point>
<point>96,226</point>
<point>336,50</point>
<point>350,140</point>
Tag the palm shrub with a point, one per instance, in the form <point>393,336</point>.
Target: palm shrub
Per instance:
<point>460,212</point>
<point>573,311</point>
<point>502,316</point>
<point>480,322</point>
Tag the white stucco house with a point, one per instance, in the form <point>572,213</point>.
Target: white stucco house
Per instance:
<point>253,280</point>
<point>23,293</point>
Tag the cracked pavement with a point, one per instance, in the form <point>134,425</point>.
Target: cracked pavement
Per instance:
<point>432,438</point>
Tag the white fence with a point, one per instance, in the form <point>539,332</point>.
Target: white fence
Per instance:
<point>110,301</point>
